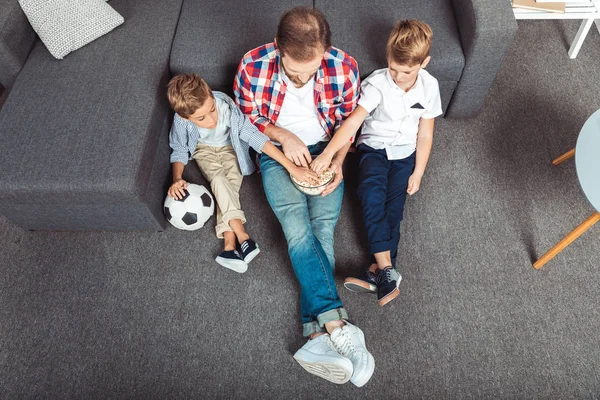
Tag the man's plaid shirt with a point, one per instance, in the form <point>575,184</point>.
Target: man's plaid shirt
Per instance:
<point>259,89</point>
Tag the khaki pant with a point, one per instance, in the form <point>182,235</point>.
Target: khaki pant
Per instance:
<point>220,167</point>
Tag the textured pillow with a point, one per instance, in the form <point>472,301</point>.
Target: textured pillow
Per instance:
<point>66,25</point>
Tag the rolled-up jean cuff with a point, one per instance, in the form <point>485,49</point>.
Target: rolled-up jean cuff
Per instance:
<point>308,328</point>
<point>332,315</point>
<point>379,247</point>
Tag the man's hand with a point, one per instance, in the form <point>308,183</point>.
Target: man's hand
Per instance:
<point>335,167</point>
<point>176,190</point>
<point>414,183</point>
<point>294,148</point>
<point>321,163</point>
<point>303,174</point>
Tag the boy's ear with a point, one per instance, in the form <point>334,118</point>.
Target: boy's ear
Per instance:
<point>425,62</point>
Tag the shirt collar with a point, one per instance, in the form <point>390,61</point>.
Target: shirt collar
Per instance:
<point>390,81</point>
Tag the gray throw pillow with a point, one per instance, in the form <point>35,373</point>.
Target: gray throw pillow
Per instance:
<point>67,25</point>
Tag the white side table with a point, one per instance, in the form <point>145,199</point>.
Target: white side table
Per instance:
<point>586,10</point>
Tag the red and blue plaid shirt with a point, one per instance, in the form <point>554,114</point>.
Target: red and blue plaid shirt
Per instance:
<point>259,89</point>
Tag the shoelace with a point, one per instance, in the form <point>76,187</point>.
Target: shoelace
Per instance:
<point>344,344</point>
<point>385,275</point>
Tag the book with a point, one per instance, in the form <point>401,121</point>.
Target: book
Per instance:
<point>555,7</point>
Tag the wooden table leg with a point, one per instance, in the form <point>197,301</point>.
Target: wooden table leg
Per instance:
<point>585,225</point>
<point>564,157</point>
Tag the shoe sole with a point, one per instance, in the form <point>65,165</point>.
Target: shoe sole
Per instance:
<point>251,255</point>
<point>389,297</point>
<point>237,266</point>
<point>328,371</point>
<point>359,286</point>
<point>362,381</point>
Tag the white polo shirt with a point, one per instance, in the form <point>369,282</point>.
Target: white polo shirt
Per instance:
<point>298,112</point>
<point>394,114</point>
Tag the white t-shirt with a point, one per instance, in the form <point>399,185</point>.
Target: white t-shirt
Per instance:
<point>298,112</point>
<point>220,135</point>
<point>394,117</point>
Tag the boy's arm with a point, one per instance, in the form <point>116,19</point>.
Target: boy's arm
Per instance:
<point>424,143</point>
<point>176,190</point>
<point>341,140</point>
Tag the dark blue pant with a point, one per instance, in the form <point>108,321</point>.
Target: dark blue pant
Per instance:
<point>382,193</point>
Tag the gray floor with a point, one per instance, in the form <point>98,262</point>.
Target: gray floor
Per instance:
<point>149,315</point>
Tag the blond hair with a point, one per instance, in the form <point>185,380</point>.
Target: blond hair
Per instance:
<point>409,42</point>
<point>187,93</point>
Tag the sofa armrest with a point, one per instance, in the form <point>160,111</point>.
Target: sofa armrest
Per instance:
<point>486,29</point>
<point>16,41</point>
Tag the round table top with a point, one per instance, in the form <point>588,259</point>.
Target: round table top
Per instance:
<point>587,159</point>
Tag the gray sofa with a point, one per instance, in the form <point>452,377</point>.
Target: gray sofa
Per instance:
<point>85,139</point>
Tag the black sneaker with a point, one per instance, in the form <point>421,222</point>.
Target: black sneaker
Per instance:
<point>231,259</point>
<point>388,280</point>
<point>367,284</point>
<point>249,250</point>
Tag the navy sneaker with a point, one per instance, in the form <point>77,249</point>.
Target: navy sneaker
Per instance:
<point>231,259</point>
<point>249,250</point>
<point>367,284</point>
<point>388,280</point>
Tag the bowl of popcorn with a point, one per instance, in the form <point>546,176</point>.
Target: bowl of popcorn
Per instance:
<point>314,187</point>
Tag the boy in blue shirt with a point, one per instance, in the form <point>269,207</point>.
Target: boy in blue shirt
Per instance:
<point>398,105</point>
<point>211,128</point>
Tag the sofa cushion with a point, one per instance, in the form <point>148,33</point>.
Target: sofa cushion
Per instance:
<point>65,25</point>
<point>16,40</point>
<point>84,130</point>
<point>213,35</point>
<point>361,28</point>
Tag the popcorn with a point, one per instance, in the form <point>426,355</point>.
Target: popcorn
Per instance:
<point>315,186</point>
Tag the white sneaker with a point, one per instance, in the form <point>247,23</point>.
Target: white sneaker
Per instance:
<point>349,341</point>
<point>319,357</point>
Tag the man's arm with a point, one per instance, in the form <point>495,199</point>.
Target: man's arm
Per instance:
<point>244,97</point>
<point>350,95</point>
<point>424,143</point>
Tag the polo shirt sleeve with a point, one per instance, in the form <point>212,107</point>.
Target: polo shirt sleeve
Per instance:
<point>433,107</point>
<point>370,97</point>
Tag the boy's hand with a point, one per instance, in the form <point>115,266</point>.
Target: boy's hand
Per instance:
<point>303,174</point>
<point>414,183</point>
<point>335,167</point>
<point>321,163</point>
<point>176,189</point>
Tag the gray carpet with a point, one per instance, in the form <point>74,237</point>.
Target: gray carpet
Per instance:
<point>150,315</point>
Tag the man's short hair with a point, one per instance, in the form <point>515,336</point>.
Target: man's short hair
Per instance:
<point>409,42</point>
<point>302,33</point>
<point>187,93</point>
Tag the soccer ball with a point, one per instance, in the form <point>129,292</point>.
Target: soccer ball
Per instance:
<point>192,211</point>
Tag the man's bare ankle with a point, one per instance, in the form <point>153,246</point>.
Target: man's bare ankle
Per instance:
<point>332,325</point>
<point>315,335</point>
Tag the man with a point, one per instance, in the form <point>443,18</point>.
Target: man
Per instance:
<point>297,91</point>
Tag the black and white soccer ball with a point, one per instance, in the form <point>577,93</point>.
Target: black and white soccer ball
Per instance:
<point>192,211</point>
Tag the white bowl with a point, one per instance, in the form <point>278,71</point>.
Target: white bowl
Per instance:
<point>314,188</point>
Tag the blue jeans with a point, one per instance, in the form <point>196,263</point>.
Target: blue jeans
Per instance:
<point>308,223</point>
<point>382,193</point>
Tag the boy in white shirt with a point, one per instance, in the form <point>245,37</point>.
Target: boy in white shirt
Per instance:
<point>398,105</point>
